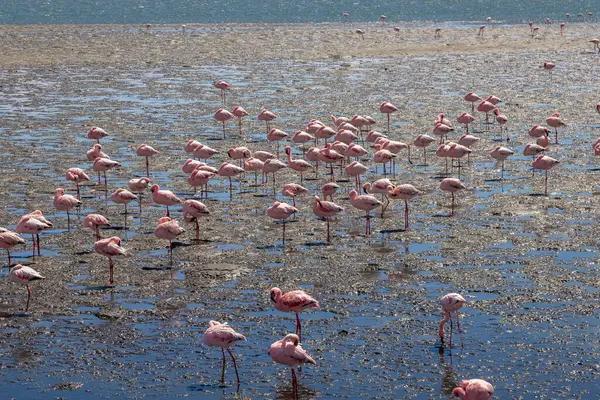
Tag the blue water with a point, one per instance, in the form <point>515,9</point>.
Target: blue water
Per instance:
<point>275,11</point>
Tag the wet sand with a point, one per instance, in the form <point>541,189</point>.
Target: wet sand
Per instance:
<point>526,263</point>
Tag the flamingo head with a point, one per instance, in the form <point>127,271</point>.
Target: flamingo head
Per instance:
<point>275,294</point>
<point>155,188</point>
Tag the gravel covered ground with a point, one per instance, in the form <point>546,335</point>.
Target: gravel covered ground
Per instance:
<point>526,263</point>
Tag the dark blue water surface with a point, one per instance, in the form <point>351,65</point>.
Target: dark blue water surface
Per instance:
<point>274,11</point>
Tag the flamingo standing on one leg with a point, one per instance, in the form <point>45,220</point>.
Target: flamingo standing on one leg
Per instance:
<point>146,151</point>
<point>230,170</point>
<point>387,108</point>
<point>271,166</point>
<point>222,116</point>
<point>292,190</point>
<point>33,223</point>
<point>95,222</point>
<point>356,169</point>
<point>544,163</point>
<point>164,197</point>
<point>239,113</point>
<point>138,185</point>
<point>474,389</point>
<point>465,119</point>
<point>472,98</point>
<point>267,116</point>
<point>451,303</point>
<point>501,153</point>
<point>281,211</point>
<point>329,189</point>
<point>223,336</point>
<point>123,196</point>
<point>110,247</point>
<point>297,164</point>
<point>102,164</point>
<point>485,107</point>
<point>224,86</point>
<point>533,149</point>
<point>168,229</point>
<point>295,301</point>
<point>326,209</point>
<point>366,203</point>
<point>404,192</point>
<point>23,275</point>
<point>555,122</point>
<point>97,134</point>
<point>452,185</point>
<point>423,141</point>
<point>288,351</point>
<point>78,176</point>
<point>253,164</point>
<point>65,202</point>
<point>379,186</point>
<point>8,240</point>
<point>192,210</point>
<point>95,152</point>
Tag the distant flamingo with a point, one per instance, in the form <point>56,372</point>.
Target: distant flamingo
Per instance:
<point>239,153</point>
<point>78,176</point>
<point>33,223</point>
<point>192,211</point>
<point>326,209</point>
<point>472,98</point>
<point>230,170</point>
<point>345,136</point>
<point>451,303</point>
<point>366,203</point>
<point>267,116</point>
<point>23,275</point>
<point>501,153</point>
<point>533,149</point>
<point>302,137</point>
<point>452,185</point>
<point>458,151</point>
<point>545,163</point>
<point>474,389</point>
<point>465,119</point>
<point>222,116</point>
<point>493,99</point>
<point>537,131</point>
<point>297,164</point>
<point>271,166</point>
<point>95,222</point>
<point>223,336</point>
<point>324,132</point>
<point>224,86</point>
<point>276,135</point>
<point>8,240</point>
<point>97,134</point>
<point>549,66</point>
<point>361,33</point>
<point>481,29</point>
<point>103,165</point>
<point>596,44</point>
<point>330,156</point>
<point>110,247</point>
<point>164,197</point>
<point>438,33</point>
<point>95,152</point>
<point>468,141</point>
<point>387,108</point>
<point>292,190</point>
<point>423,141</point>
<point>329,189</point>
<point>441,130</point>
<point>356,169</point>
<point>204,152</point>
<point>65,202</point>
<point>485,107</point>
<point>404,192</point>
<point>555,122</point>
<point>295,301</point>
<point>502,120</point>
<point>281,211</point>
<point>383,157</point>
<point>168,229</point>
<point>146,151</point>
<point>138,185</point>
<point>253,164</point>
<point>288,351</point>
<point>240,113</point>
<point>191,146</point>
<point>123,196</point>
<point>534,32</point>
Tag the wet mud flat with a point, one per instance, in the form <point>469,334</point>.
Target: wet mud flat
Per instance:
<point>526,263</point>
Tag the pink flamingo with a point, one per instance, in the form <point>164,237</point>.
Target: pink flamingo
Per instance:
<point>452,185</point>
<point>267,116</point>
<point>204,152</point>
<point>562,28</point>
<point>330,156</point>
<point>191,146</point>
<point>230,170</point>
<point>501,153</point>
<point>329,189</point>
<point>326,209</point>
<point>472,98</point>
<point>485,107</point>
<point>383,156</point>
<point>95,152</point>
<point>33,223</point>
<point>423,141</point>
<point>441,119</point>
<point>276,135</point>
<point>222,116</point>
<point>78,176</point>
<point>457,151</point>
<point>379,186</point>
<point>223,336</point>
<point>97,134</point>
<point>254,164</point>
<point>295,301</point>
<point>190,165</point>
<point>224,86</point>
<point>288,351</point>
<point>271,166</point>
<point>395,147</point>
<point>8,240</point>
<point>281,211</point>
<point>366,203</point>
<point>164,197</point>
<point>338,120</point>
<point>102,165</point>
<point>95,222</point>
<point>451,303</point>
<point>544,163</point>
<point>110,247</point>
<point>538,131</point>
<point>356,169</point>
<point>548,66</point>
<point>359,121</point>
<point>239,153</point>
<point>443,151</point>
<point>404,192</point>
<point>387,108</point>
<point>23,275</point>
<point>168,229</point>
<point>240,113</point>
<point>543,141</point>
<point>468,141</point>
<point>292,190</point>
<point>345,136</point>
<point>465,119</point>
<point>441,130</point>
<point>139,185</point>
<point>65,202</point>
<point>123,196</point>
<point>324,132</point>
<point>533,149</point>
<point>596,44</point>
<point>192,211</point>
<point>146,151</point>
<point>474,389</point>
<point>555,122</point>
<point>298,165</point>
<point>493,99</point>
<point>263,155</point>
<point>313,155</point>
<point>355,151</point>
<point>382,18</point>
<point>301,137</point>
<point>313,126</point>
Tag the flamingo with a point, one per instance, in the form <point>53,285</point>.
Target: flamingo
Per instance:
<point>224,86</point>
<point>329,189</point>
<point>164,197</point>
<point>555,122</point>
<point>292,190</point>
<point>33,223</point>
<point>168,229</point>
<point>230,170</point>
<point>441,130</point>
<point>97,134</point>
<point>538,131</point>
<point>191,145</point>
<point>326,209</point>
<point>544,163</point>
<point>474,389</point>
<point>465,119</point>
<point>203,152</point>
<point>404,192</point>
<point>383,157</point>
<point>109,247</point>
<point>361,33</point>
<point>192,210</point>
<point>138,185</point>
<point>65,202</point>
<point>548,66</point>
<point>295,301</point>
<point>102,164</point>
<point>271,166</point>
<point>533,149</point>
<point>472,98</point>
<point>297,164</point>
<point>451,303</point>
<point>146,151</point>
<point>276,135</point>
<point>281,211</point>
<point>267,116</point>
<point>379,186</point>
<point>485,107</point>
<point>222,335</point>
<point>78,176</point>
<point>493,99</point>
<point>95,152</point>
<point>452,185</point>
<point>481,29</point>
<point>95,222</point>
<point>423,141</point>
<point>288,351</point>
<point>330,156</point>
<point>468,141</point>
<point>8,240</point>
<point>356,169</point>
<point>301,137</point>
<point>222,116</point>
<point>501,153</point>
<point>240,113</point>
<point>123,196</point>
<point>438,33</point>
<point>366,203</point>
<point>387,108</point>
<point>23,275</point>
<point>253,164</point>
